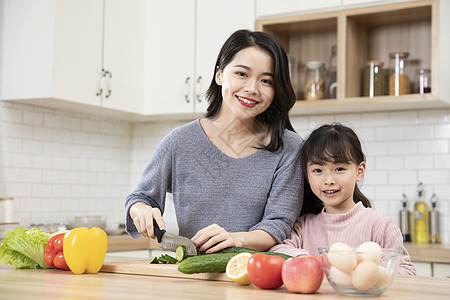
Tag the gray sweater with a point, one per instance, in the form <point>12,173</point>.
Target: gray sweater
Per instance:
<point>260,191</point>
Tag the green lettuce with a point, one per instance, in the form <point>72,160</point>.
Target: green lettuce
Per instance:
<point>24,249</point>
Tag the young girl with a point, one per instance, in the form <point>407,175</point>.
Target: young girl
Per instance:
<point>334,209</point>
<point>230,172</point>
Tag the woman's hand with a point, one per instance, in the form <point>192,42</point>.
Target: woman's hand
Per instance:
<point>143,216</point>
<point>214,238</point>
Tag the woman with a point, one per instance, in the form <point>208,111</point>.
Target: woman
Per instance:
<point>233,173</point>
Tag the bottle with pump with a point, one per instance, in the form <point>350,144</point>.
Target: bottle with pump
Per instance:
<point>404,220</point>
<point>435,237</point>
<point>420,218</point>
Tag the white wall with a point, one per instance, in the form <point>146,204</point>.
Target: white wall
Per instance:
<point>60,164</point>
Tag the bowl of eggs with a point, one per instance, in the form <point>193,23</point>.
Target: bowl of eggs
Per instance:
<point>365,271</point>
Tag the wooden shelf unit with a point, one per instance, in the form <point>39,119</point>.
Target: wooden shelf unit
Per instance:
<point>362,34</point>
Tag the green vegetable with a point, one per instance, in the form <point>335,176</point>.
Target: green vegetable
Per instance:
<point>154,260</point>
<point>181,253</point>
<point>207,263</point>
<point>167,259</point>
<point>216,262</point>
<point>24,249</point>
<point>237,250</point>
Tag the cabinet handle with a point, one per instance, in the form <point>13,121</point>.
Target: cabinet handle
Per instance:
<point>199,89</point>
<point>108,76</point>
<point>101,83</point>
<point>188,89</point>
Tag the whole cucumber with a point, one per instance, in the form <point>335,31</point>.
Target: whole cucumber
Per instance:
<point>207,263</point>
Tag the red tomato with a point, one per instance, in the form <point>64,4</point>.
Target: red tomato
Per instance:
<point>264,270</point>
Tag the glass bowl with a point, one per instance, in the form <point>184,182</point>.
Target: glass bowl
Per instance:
<point>362,274</point>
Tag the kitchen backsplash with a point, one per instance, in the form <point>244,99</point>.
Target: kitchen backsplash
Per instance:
<point>59,164</point>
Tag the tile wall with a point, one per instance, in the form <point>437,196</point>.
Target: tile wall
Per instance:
<point>60,164</point>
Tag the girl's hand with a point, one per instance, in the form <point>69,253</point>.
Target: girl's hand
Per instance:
<point>214,238</point>
<point>143,216</point>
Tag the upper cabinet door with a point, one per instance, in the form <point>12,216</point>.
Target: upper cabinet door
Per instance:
<point>170,56</point>
<point>216,21</point>
<point>52,49</point>
<point>269,7</point>
<point>124,55</point>
<point>77,49</point>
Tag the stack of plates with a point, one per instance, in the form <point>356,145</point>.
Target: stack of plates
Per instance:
<point>7,227</point>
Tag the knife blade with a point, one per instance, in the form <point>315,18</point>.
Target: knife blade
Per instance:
<point>169,241</point>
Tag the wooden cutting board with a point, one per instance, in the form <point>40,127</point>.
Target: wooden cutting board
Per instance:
<point>143,267</point>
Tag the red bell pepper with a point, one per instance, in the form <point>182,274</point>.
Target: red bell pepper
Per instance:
<point>54,256</point>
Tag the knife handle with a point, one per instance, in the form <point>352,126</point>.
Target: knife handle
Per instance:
<point>158,232</point>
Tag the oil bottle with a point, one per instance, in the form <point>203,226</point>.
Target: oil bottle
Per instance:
<point>420,218</point>
<point>435,237</point>
<point>404,220</point>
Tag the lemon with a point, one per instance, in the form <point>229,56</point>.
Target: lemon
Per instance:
<point>237,268</point>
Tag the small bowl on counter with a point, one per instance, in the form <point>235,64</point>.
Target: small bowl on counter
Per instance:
<point>361,274</point>
<point>87,221</point>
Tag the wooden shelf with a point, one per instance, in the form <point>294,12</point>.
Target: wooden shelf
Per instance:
<point>362,34</point>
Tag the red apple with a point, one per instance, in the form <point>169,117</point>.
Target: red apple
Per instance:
<point>302,275</point>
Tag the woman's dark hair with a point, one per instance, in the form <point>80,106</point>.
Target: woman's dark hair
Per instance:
<point>276,116</point>
<point>334,143</point>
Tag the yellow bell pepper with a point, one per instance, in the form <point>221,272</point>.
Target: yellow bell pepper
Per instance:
<point>85,250</point>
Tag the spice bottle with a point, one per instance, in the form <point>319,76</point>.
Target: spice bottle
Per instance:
<point>373,78</point>
<point>315,80</point>
<point>435,237</point>
<point>404,220</point>
<point>398,80</point>
<point>332,73</point>
<point>420,218</point>
<point>423,81</point>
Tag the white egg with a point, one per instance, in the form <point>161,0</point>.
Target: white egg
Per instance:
<point>342,257</point>
<point>340,277</point>
<point>365,275</point>
<point>384,276</point>
<point>369,251</point>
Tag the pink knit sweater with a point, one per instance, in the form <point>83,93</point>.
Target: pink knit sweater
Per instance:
<point>353,228</point>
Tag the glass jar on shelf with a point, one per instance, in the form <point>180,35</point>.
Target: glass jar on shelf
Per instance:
<point>423,81</point>
<point>373,78</point>
<point>332,73</point>
<point>293,72</point>
<point>315,84</point>
<point>398,78</point>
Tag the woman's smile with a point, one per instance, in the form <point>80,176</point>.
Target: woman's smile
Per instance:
<point>247,101</point>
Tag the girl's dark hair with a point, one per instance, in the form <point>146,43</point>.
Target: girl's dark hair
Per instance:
<point>330,143</point>
<point>276,115</point>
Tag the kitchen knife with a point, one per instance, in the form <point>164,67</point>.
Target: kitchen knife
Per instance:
<point>170,241</point>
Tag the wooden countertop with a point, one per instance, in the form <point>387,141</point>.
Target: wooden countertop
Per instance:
<point>418,252</point>
<point>437,253</point>
<point>58,284</point>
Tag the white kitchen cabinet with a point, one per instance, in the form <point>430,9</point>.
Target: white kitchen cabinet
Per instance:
<point>141,57</point>
<point>441,270</point>
<point>186,38</point>
<point>55,51</point>
<point>423,268</point>
<point>270,7</point>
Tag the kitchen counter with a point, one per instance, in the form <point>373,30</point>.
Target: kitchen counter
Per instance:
<point>437,253</point>
<point>419,252</point>
<point>58,284</point>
